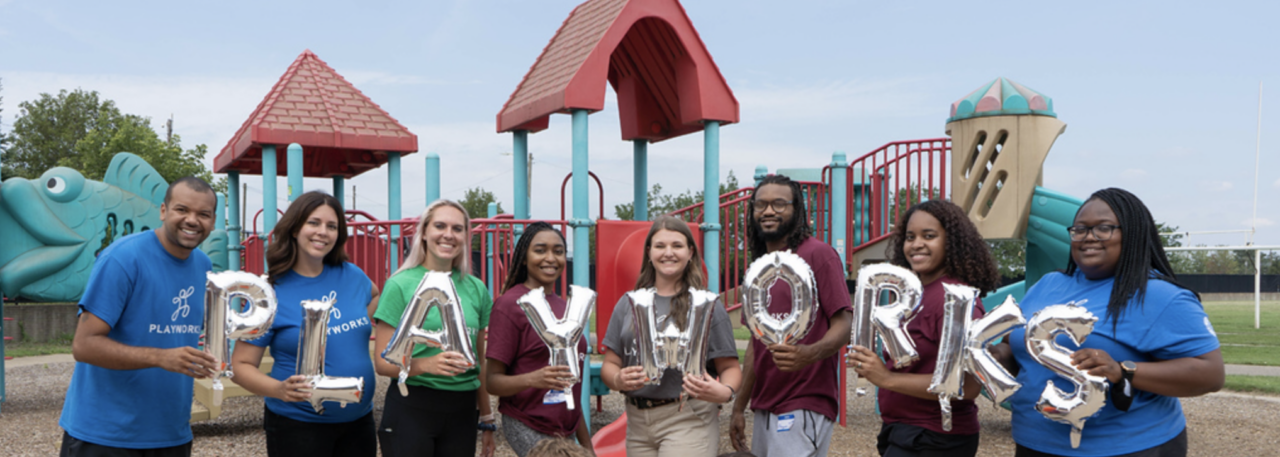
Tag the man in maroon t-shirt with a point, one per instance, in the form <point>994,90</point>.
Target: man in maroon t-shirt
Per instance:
<point>793,388</point>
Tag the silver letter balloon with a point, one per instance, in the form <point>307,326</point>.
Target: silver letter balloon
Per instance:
<point>311,347</point>
<point>561,335</point>
<point>1091,391</point>
<point>761,275</point>
<point>661,344</point>
<point>889,321</point>
<point>223,324</point>
<point>963,348</point>
<point>435,291</point>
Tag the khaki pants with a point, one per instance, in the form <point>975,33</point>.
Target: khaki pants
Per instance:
<point>669,431</point>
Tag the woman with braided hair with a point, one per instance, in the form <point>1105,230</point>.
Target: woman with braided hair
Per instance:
<point>1153,341</point>
<point>936,240</point>
<point>532,393</point>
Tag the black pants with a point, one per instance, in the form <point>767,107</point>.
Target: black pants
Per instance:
<point>72,447</point>
<point>428,423</point>
<point>288,437</point>
<point>902,440</point>
<point>1176,447</point>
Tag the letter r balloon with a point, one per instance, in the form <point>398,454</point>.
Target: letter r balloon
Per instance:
<point>889,321</point>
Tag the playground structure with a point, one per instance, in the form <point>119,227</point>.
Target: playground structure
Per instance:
<point>667,86</point>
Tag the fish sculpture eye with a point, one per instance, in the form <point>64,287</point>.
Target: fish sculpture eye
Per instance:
<point>62,184</point>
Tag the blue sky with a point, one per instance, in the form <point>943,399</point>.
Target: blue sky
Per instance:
<point>1160,98</point>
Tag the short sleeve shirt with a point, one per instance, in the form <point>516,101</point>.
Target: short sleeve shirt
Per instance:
<point>1168,323</point>
<point>620,338</point>
<point>815,387</point>
<point>346,343</point>
<point>926,332</point>
<point>476,306</point>
<point>513,341</point>
<point>150,299</point>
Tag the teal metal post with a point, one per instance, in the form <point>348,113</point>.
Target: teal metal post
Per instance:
<point>433,177</point>
<point>711,203</point>
<point>839,197</point>
<point>293,162</point>
<point>219,215</point>
<point>233,221</point>
<point>640,201</point>
<point>761,172</point>
<point>340,191</point>
<point>269,176</point>
<point>520,159</point>
<point>490,252</point>
<point>2,388</point>
<point>393,206</point>
<point>581,223</point>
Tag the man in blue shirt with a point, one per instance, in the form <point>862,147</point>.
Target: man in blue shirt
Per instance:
<point>135,345</point>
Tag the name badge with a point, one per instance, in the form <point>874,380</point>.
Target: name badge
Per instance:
<point>553,397</point>
<point>785,422</point>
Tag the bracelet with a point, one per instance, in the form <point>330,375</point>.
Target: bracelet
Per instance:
<point>733,394</point>
<point>488,427</point>
<point>489,417</point>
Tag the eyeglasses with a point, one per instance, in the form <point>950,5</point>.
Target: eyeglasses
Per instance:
<point>778,205</point>
<point>1102,232</point>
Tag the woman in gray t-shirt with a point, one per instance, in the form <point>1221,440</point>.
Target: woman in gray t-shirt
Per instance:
<point>656,421</point>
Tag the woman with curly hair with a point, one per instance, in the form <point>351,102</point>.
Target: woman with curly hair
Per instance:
<point>936,240</point>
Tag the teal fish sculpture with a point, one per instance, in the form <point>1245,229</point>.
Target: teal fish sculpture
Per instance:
<point>54,227</point>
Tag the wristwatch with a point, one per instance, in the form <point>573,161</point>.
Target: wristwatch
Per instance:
<point>1127,369</point>
<point>733,395</point>
<point>1122,392</point>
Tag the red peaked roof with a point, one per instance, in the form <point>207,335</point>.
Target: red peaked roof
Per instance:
<point>341,131</point>
<point>647,50</point>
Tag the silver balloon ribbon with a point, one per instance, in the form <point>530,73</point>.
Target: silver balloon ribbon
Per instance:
<point>1090,391</point>
<point>963,348</point>
<point>223,324</point>
<point>661,344</point>
<point>561,335</point>
<point>761,275</point>
<point>435,291</point>
<point>311,348</point>
<point>889,321</point>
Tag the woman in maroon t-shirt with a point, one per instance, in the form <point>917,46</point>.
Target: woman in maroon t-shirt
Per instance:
<point>532,393</point>
<point>936,240</point>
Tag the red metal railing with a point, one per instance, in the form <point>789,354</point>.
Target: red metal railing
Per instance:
<point>883,183</point>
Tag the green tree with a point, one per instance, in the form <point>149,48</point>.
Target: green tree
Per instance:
<point>1010,257</point>
<point>476,201</point>
<point>660,203</point>
<point>1181,261</point>
<point>4,140</point>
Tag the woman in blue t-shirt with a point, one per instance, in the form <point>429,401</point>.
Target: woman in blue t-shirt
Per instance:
<point>306,261</point>
<point>1152,341</point>
<point>936,240</point>
<point>532,402</point>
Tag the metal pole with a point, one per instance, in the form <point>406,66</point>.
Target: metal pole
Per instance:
<point>640,201</point>
<point>339,192</point>
<point>711,203</point>
<point>761,172</point>
<point>520,163</point>
<point>269,175</point>
<point>1253,223</point>
<point>233,221</point>
<point>581,223</point>
<point>1257,288</point>
<point>433,177</point>
<point>490,252</point>
<point>393,206</point>
<point>838,198</point>
<point>293,162</point>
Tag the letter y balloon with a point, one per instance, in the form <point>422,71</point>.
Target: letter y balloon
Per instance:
<point>222,323</point>
<point>561,335</point>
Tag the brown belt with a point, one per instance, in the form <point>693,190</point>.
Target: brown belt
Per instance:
<point>647,403</point>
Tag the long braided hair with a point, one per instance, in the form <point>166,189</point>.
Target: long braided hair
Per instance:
<point>799,229</point>
<point>1142,256</point>
<point>519,272</point>
<point>967,256</point>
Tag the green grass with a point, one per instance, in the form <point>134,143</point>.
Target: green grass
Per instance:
<point>1260,384</point>
<point>1241,343</point>
<point>12,349</point>
<point>741,333</point>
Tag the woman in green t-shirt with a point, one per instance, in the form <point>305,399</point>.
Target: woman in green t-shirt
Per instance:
<point>447,402</point>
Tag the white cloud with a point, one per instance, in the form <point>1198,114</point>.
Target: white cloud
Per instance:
<point>1276,184</point>
<point>1134,173</point>
<point>1216,186</point>
<point>835,100</point>
<point>1260,222</point>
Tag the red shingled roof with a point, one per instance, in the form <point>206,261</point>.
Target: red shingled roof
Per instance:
<point>341,131</point>
<point>648,50</point>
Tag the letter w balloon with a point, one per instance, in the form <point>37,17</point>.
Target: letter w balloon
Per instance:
<point>222,323</point>
<point>963,348</point>
<point>435,291</point>
<point>1090,391</point>
<point>561,335</point>
<point>661,344</point>
<point>311,349</point>
<point>889,321</point>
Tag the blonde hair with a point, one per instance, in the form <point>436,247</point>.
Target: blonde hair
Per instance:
<point>418,253</point>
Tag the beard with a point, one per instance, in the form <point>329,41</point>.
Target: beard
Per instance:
<point>784,228</point>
